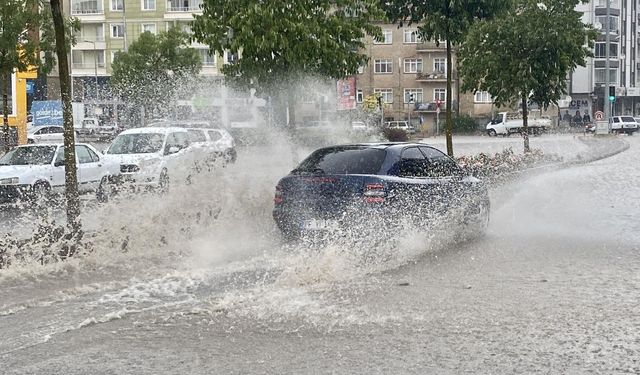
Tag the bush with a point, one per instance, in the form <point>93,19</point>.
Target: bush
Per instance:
<point>464,124</point>
<point>395,135</point>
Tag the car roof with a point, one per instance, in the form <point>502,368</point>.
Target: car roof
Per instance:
<point>381,145</point>
<point>154,129</point>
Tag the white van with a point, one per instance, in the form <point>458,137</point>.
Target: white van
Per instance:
<point>151,156</point>
<point>403,125</point>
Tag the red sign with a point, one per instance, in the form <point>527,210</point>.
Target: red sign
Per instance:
<point>438,102</point>
<point>347,93</point>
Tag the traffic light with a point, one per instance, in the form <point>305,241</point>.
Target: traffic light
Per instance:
<point>612,93</point>
<point>410,98</point>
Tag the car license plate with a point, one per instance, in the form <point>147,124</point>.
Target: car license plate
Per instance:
<point>319,224</point>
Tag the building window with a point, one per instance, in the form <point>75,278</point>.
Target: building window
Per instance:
<point>603,4</point>
<point>600,75</point>
<point>11,85</point>
<point>383,66</point>
<point>601,50</point>
<point>439,94</point>
<point>483,97</point>
<point>387,37</point>
<point>361,69</point>
<point>208,59</point>
<point>77,59</point>
<point>440,65</point>
<point>413,96</point>
<point>150,27</point>
<point>113,55</point>
<point>117,5</point>
<point>413,65</point>
<point>117,30</point>
<point>612,25</point>
<point>359,96</point>
<point>230,58</point>
<point>411,36</point>
<point>99,58</point>
<point>385,94</point>
<point>148,4</point>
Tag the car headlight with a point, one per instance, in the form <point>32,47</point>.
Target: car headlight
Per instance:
<point>9,181</point>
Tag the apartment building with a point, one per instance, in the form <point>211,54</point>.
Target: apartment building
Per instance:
<point>411,77</point>
<point>109,26</point>
<point>586,84</point>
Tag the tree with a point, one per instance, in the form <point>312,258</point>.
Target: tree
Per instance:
<point>62,44</point>
<point>280,43</point>
<point>447,20</point>
<point>148,74</point>
<point>26,43</point>
<point>527,54</point>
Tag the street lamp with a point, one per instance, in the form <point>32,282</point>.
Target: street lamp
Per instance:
<point>95,66</point>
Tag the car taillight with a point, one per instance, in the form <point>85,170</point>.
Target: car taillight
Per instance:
<point>277,199</point>
<point>374,193</point>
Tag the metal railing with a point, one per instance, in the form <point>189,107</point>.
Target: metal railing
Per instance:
<point>87,65</point>
<point>184,6</point>
<point>431,76</point>
<point>77,11</point>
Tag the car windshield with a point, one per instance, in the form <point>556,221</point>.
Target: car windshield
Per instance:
<point>139,143</point>
<point>35,155</point>
<point>628,119</point>
<point>343,160</point>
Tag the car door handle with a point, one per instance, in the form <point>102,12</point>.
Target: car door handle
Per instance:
<point>99,165</point>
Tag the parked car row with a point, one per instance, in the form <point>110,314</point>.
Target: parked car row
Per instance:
<point>142,158</point>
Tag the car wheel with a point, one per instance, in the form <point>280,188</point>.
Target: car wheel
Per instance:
<point>41,193</point>
<point>163,182</point>
<point>492,133</point>
<point>30,141</point>
<point>104,190</point>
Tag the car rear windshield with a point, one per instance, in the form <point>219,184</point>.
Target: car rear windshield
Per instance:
<point>137,143</point>
<point>35,155</point>
<point>343,160</point>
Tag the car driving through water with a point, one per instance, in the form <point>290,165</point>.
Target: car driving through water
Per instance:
<point>377,188</point>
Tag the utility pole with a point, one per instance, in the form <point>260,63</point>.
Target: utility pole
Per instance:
<point>124,25</point>
<point>607,83</point>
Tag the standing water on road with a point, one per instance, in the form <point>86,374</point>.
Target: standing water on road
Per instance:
<point>199,281</point>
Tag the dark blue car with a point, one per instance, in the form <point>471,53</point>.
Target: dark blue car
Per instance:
<point>376,188</point>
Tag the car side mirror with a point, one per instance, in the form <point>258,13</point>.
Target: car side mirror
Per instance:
<point>104,152</point>
<point>58,163</point>
<point>173,150</point>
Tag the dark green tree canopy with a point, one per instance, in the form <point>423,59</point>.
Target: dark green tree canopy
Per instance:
<point>442,20</point>
<point>27,38</point>
<point>279,41</point>
<point>530,50</point>
<point>148,74</point>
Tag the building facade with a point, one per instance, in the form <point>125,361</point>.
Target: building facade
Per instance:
<point>410,75</point>
<point>110,26</point>
<point>586,84</point>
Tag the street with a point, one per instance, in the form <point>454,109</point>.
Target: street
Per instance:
<point>205,285</point>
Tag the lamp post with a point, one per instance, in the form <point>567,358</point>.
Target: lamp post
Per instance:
<point>95,66</point>
<point>607,27</point>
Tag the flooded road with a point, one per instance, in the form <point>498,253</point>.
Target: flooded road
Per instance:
<point>552,287</point>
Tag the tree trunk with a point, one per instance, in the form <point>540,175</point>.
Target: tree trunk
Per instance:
<point>525,123</point>
<point>5,110</point>
<point>449,121</point>
<point>71,171</point>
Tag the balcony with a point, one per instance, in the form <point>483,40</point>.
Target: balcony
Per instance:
<point>184,6</point>
<point>431,77</point>
<point>89,65</point>
<point>430,47</point>
<point>88,10</point>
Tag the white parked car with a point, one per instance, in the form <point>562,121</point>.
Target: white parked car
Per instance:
<point>33,172</point>
<point>402,125</point>
<point>216,142</point>
<point>150,156</point>
<point>92,126</point>
<point>623,124</point>
<point>45,134</point>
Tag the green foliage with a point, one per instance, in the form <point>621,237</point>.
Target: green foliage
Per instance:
<point>280,41</point>
<point>530,50</point>
<point>395,135</point>
<point>148,74</point>
<point>21,46</point>
<point>443,20</point>
<point>464,124</point>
